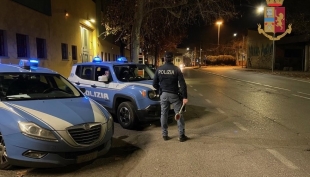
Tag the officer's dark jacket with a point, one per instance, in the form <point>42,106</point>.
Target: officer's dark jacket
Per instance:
<point>168,77</point>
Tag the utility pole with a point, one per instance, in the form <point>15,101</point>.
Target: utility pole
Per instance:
<point>200,56</point>
<point>195,56</point>
<point>243,55</point>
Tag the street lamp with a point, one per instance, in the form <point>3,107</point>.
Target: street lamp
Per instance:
<point>260,9</point>
<point>219,23</point>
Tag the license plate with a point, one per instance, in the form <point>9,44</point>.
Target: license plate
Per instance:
<point>87,157</point>
<point>171,106</point>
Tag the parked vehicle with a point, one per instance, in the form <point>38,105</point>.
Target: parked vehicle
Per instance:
<point>45,121</point>
<point>125,89</point>
<point>152,67</point>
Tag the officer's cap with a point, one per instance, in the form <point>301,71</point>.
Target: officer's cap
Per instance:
<point>168,55</point>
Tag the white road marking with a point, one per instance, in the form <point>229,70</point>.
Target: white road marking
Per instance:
<point>271,89</point>
<point>277,88</point>
<point>299,80</point>
<point>219,110</point>
<point>301,96</point>
<point>200,94</point>
<point>249,82</point>
<point>282,159</point>
<point>240,126</point>
<point>208,101</point>
<point>304,93</point>
<point>195,90</point>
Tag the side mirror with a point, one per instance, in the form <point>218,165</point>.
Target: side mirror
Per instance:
<point>83,90</point>
<point>103,78</point>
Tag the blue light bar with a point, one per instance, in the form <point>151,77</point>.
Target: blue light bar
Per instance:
<point>97,60</point>
<point>34,64</point>
<point>122,60</point>
<point>29,64</point>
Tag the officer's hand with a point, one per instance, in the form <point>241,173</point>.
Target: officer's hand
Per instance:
<point>185,101</point>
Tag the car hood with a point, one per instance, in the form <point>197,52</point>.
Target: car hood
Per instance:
<point>148,82</point>
<point>144,83</point>
<point>59,114</point>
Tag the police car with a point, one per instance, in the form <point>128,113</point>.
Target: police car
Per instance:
<point>45,121</point>
<point>124,88</point>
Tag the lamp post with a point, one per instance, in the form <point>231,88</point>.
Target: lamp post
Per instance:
<point>200,56</point>
<point>190,56</point>
<point>219,23</point>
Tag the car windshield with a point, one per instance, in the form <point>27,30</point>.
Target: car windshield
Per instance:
<point>25,86</point>
<point>133,72</point>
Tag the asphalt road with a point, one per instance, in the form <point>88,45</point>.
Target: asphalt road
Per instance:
<point>240,123</point>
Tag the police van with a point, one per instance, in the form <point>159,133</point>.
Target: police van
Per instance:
<point>46,121</point>
<point>123,88</point>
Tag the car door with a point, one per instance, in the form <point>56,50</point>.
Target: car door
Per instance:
<point>104,90</point>
<point>87,80</point>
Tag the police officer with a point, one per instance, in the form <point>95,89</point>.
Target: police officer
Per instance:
<point>167,80</point>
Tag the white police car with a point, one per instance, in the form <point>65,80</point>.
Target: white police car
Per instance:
<point>124,88</point>
<point>45,121</point>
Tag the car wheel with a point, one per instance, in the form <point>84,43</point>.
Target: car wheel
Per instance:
<point>126,116</point>
<point>4,163</point>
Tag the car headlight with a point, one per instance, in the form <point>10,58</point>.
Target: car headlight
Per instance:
<point>152,94</point>
<point>110,122</point>
<point>33,130</point>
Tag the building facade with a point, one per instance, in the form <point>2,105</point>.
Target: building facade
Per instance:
<point>59,33</point>
<point>291,53</point>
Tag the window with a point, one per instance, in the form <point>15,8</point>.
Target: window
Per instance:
<point>78,71</point>
<point>74,52</point>
<point>100,70</point>
<point>41,48</point>
<point>64,51</point>
<point>87,72</point>
<point>28,86</point>
<point>2,43</point>
<point>22,45</point>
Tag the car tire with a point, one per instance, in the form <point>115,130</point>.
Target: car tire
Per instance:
<point>4,163</point>
<point>126,115</point>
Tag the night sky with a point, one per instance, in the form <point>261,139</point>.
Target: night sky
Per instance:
<point>208,34</point>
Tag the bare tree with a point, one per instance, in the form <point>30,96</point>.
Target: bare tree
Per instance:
<point>129,18</point>
<point>298,15</point>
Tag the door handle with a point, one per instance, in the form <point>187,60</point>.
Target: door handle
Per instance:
<point>77,83</point>
<point>93,86</point>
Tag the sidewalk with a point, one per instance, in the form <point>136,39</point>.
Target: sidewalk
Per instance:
<point>294,74</point>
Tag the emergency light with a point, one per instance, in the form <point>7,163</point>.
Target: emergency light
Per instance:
<point>122,60</point>
<point>97,60</point>
<point>29,64</point>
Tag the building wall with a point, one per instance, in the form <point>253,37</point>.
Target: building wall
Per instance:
<point>259,50</point>
<point>55,29</point>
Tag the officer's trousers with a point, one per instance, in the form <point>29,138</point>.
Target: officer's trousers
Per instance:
<point>165,100</point>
